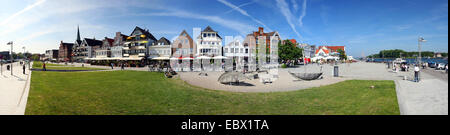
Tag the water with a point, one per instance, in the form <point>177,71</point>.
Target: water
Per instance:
<point>411,61</point>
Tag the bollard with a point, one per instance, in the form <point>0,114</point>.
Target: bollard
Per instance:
<point>336,71</point>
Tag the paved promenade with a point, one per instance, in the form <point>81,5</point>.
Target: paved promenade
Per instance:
<point>427,97</point>
<point>14,90</point>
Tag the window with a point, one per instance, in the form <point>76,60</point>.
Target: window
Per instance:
<point>226,50</point>
<point>204,34</point>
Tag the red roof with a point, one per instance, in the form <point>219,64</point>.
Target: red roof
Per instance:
<point>324,50</point>
<point>333,48</point>
<point>293,41</point>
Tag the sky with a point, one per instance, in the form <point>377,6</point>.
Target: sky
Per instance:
<point>364,26</point>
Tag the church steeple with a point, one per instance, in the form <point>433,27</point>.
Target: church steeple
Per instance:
<point>78,35</point>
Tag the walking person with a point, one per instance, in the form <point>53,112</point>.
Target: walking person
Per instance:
<point>44,67</point>
<point>112,65</point>
<point>416,73</point>
<point>446,68</point>
<point>23,67</point>
<point>122,66</point>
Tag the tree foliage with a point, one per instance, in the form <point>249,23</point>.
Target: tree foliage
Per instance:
<point>397,53</point>
<point>289,51</point>
<point>342,54</point>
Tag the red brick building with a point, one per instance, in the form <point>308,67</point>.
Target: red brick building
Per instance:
<point>65,51</point>
<point>268,36</point>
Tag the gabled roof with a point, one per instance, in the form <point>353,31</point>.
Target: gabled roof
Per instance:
<point>184,33</point>
<point>92,42</point>
<point>124,36</point>
<point>145,32</point>
<point>67,44</point>
<point>208,29</point>
<point>333,48</point>
<point>163,41</point>
<point>109,40</point>
<point>324,50</point>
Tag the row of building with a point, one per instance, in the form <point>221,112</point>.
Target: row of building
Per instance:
<point>142,47</point>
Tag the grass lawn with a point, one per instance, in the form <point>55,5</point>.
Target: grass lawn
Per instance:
<point>38,65</point>
<point>135,93</point>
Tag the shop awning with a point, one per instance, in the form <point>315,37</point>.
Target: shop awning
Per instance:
<point>160,58</point>
<point>220,57</point>
<point>203,57</point>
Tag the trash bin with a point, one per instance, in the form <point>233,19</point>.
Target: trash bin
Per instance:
<point>336,71</point>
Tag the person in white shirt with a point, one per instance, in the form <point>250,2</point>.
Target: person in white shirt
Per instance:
<point>416,73</point>
<point>446,68</point>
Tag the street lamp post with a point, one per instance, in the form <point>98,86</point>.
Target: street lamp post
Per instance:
<point>420,49</point>
<point>420,53</point>
<point>12,61</point>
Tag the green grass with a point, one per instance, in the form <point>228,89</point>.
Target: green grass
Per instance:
<point>136,93</point>
<point>38,65</point>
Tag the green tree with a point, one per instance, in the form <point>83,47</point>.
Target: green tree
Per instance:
<point>35,57</point>
<point>342,54</point>
<point>289,51</point>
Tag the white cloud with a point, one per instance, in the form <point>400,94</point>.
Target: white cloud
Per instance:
<point>235,25</point>
<point>243,12</point>
<point>303,13</point>
<point>240,6</point>
<point>295,5</point>
<point>22,11</point>
<point>284,8</point>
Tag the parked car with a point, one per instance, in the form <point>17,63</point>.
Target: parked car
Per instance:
<point>440,66</point>
<point>432,64</point>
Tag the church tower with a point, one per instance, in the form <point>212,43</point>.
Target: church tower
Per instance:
<point>78,35</point>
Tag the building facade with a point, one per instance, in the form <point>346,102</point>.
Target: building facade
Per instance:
<point>51,55</point>
<point>209,43</point>
<point>160,50</point>
<point>183,46</point>
<point>327,53</point>
<point>86,49</point>
<point>65,52</point>
<point>308,50</point>
<point>236,49</point>
<point>105,50</point>
<point>267,46</point>
<point>136,45</point>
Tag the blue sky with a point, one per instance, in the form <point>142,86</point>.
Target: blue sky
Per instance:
<point>363,26</point>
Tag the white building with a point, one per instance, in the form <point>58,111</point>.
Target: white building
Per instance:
<point>209,43</point>
<point>161,50</point>
<point>309,50</point>
<point>235,49</point>
<point>105,50</point>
